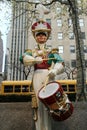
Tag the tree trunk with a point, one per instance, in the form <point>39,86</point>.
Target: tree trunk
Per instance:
<point>80,60</point>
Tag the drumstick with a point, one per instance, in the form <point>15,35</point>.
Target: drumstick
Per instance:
<point>31,60</point>
<point>46,83</point>
<point>47,79</point>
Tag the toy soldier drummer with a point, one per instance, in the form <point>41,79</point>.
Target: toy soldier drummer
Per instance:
<point>42,59</point>
<point>47,63</point>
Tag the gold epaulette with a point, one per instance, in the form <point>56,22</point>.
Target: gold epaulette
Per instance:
<point>54,50</point>
<point>28,50</point>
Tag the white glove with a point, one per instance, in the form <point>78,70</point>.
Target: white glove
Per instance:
<point>52,73</point>
<point>38,60</point>
<point>58,69</point>
<point>28,60</point>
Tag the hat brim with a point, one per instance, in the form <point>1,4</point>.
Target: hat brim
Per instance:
<point>41,30</point>
<point>41,33</point>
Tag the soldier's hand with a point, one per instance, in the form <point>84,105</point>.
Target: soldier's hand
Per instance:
<point>38,60</point>
<point>28,60</point>
<point>52,73</point>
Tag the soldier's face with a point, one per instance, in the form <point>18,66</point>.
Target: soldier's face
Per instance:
<point>41,38</point>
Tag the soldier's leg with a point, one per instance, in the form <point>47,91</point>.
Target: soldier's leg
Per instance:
<point>34,107</point>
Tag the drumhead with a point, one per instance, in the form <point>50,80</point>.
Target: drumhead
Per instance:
<point>49,90</point>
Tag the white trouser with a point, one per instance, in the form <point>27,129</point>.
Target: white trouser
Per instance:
<point>44,119</point>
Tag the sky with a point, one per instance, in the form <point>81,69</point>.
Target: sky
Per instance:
<point>5,17</point>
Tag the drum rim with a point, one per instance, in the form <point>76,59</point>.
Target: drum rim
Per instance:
<point>47,84</point>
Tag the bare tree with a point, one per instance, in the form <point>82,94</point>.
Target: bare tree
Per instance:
<point>81,76</point>
<point>70,72</point>
<point>26,70</point>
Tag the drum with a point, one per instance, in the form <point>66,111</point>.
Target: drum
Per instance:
<point>57,102</point>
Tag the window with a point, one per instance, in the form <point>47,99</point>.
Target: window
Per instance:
<point>17,88</point>
<point>60,49</point>
<point>36,0</point>
<point>49,46</point>
<point>64,0</point>
<point>85,49</point>
<point>71,88</point>
<point>59,22</point>
<point>85,63</point>
<point>73,63</point>
<point>58,10</point>
<point>47,1</point>
<point>81,22</point>
<point>72,48</point>
<point>82,35</point>
<point>71,35</point>
<point>69,22</point>
<point>79,8</point>
<point>8,88</point>
<point>60,36</point>
<point>25,88</point>
<point>64,86</point>
<point>79,1</point>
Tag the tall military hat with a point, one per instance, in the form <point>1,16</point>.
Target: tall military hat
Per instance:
<point>41,26</point>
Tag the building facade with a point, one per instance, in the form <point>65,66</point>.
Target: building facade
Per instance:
<point>62,36</point>
<point>1,53</point>
<point>17,41</point>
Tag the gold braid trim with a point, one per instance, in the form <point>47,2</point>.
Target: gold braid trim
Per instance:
<point>34,99</point>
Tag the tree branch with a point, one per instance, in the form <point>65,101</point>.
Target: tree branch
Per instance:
<point>62,2</point>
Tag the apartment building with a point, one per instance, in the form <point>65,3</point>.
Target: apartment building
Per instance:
<point>17,41</point>
<point>62,36</point>
<point>1,53</point>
